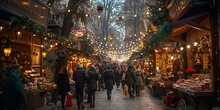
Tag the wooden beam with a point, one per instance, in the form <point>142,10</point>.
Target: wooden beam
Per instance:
<point>176,40</point>
<point>197,26</point>
<point>181,22</point>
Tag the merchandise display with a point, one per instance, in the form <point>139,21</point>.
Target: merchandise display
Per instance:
<point>197,85</point>
<point>37,83</point>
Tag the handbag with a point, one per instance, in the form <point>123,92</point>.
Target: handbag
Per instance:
<point>126,89</point>
<point>68,100</point>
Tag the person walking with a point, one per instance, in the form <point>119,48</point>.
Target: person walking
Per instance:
<point>63,85</point>
<point>123,74</point>
<point>93,77</point>
<point>13,90</point>
<point>109,81</point>
<point>118,77</point>
<point>130,81</point>
<point>79,76</point>
<point>139,80</point>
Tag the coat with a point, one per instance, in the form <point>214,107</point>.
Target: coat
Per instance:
<point>92,78</point>
<point>79,76</point>
<point>138,77</point>
<point>109,78</point>
<point>130,78</point>
<point>117,76</point>
<point>63,84</point>
<point>13,91</point>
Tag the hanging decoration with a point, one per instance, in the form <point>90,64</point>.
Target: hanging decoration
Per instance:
<point>100,8</point>
<point>4,41</point>
<point>163,31</point>
<point>35,54</point>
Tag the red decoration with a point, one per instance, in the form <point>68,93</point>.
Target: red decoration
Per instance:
<point>100,8</point>
<point>190,70</point>
<point>35,53</point>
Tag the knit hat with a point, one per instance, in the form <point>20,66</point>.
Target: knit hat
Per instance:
<point>14,64</point>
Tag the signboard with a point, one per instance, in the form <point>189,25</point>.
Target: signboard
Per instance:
<point>79,32</point>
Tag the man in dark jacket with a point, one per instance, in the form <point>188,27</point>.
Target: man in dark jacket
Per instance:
<point>79,77</point>
<point>130,81</point>
<point>13,92</point>
<point>93,76</point>
<point>109,81</point>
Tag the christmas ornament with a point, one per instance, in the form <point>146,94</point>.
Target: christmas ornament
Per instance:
<point>100,8</point>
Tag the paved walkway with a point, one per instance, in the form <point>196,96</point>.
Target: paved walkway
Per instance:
<point>121,102</point>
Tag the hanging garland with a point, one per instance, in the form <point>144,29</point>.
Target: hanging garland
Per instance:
<point>25,23</point>
<point>163,31</point>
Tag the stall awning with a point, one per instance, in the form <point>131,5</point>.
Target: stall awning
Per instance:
<point>79,53</point>
<point>184,25</point>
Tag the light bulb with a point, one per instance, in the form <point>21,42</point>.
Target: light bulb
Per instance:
<point>195,43</point>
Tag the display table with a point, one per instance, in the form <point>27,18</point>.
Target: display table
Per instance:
<point>199,100</point>
<point>193,92</point>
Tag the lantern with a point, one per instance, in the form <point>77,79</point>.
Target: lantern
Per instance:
<point>7,51</point>
<point>44,54</point>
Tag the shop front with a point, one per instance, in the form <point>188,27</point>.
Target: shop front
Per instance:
<point>193,33</point>
<point>21,40</point>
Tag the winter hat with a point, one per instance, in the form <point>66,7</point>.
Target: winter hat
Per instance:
<point>14,64</point>
<point>78,66</point>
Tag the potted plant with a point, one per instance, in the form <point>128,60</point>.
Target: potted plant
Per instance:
<point>189,71</point>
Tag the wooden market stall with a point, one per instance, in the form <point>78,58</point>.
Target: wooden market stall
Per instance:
<point>26,45</point>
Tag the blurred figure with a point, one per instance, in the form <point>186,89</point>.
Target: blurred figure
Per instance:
<point>101,78</point>
<point>63,85</point>
<point>109,81</point>
<point>139,80</point>
<point>79,76</point>
<point>123,74</point>
<point>93,77</point>
<point>130,81</point>
<point>13,91</point>
<point>118,77</point>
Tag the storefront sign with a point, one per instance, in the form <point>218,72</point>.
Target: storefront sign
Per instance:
<point>79,32</point>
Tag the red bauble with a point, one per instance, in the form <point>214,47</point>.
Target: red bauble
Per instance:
<point>100,8</point>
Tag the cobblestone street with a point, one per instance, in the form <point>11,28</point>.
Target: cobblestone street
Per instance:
<point>121,102</point>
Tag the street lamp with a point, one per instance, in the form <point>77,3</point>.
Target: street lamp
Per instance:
<point>7,51</point>
<point>44,54</point>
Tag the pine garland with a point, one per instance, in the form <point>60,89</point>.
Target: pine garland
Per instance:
<point>163,31</point>
<point>25,23</point>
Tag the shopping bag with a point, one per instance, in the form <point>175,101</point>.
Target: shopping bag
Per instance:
<point>103,85</point>
<point>68,100</point>
<point>142,86</point>
<point>126,89</point>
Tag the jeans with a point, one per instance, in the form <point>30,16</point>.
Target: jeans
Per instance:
<point>131,90</point>
<point>137,90</point>
<point>63,97</point>
<point>109,92</point>
<point>79,96</point>
<point>92,97</point>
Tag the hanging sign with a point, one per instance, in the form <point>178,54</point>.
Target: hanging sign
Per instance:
<point>79,32</point>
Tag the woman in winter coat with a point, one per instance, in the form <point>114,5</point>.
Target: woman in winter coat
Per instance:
<point>130,81</point>
<point>93,77</point>
<point>13,90</point>
<point>63,85</point>
<point>109,81</point>
<point>139,80</point>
